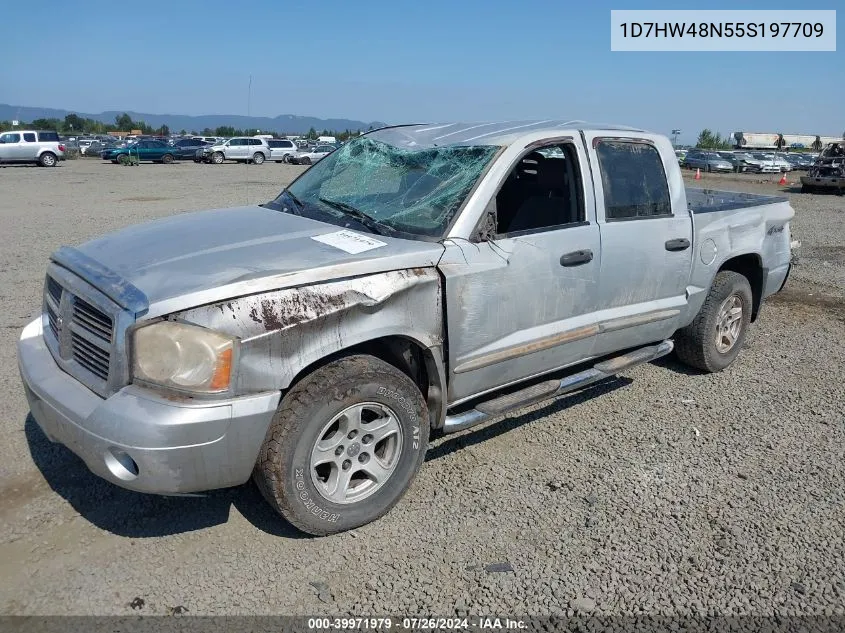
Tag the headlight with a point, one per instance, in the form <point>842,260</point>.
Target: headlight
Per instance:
<point>184,357</point>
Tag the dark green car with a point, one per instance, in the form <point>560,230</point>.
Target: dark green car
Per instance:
<point>153,151</point>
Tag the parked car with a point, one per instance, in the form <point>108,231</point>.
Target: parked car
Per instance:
<point>151,151</point>
<point>31,146</point>
<point>828,172</point>
<point>316,340</point>
<point>757,165</point>
<point>186,148</point>
<point>736,160</point>
<point>281,150</point>
<point>708,161</point>
<point>773,161</point>
<point>311,156</point>
<point>242,150</point>
<point>798,161</point>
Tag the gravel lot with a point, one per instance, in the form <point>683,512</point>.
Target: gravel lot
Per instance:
<point>671,493</point>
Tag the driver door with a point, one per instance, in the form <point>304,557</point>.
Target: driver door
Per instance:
<point>522,303</point>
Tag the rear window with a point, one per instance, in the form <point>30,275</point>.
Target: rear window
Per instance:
<point>633,179</point>
<point>11,138</point>
<point>48,136</point>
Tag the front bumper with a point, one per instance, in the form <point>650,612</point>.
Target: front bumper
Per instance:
<point>834,182</point>
<point>139,439</point>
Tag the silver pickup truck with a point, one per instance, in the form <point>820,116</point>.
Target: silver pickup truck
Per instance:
<point>421,278</point>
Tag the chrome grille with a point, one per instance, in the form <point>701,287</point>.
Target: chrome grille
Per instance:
<point>80,332</point>
<point>52,319</point>
<point>91,357</point>
<point>54,290</point>
<point>92,320</point>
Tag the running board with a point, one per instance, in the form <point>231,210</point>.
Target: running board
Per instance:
<point>490,409</point>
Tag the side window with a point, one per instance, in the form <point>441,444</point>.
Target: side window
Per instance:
<point>29,137</point>
<point>48,136</point>
<point>11,138</point>
<point>542,191</point>
<point>633,180</point>
<point>286,144</point>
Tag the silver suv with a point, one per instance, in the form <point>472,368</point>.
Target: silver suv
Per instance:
<point>31,146</point>
<point>241,149</point>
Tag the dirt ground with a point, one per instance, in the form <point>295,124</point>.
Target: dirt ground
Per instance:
<point>664,491</point>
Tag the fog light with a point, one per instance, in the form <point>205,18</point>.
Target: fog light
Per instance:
<point>121,465</point>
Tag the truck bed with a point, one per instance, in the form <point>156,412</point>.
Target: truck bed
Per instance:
<point>712,200</point>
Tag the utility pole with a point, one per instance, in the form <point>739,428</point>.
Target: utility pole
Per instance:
<point>675,137</point>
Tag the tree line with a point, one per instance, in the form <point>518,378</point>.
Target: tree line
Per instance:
<point>74,124</point>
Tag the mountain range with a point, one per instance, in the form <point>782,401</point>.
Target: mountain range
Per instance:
<point>284,123</point>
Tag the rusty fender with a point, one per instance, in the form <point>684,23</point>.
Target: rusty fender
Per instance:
<point>284,331</point>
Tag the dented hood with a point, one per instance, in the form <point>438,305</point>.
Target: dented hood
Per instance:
<point>197,258</point>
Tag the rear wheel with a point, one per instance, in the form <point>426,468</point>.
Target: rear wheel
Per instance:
<point>217,158</point>
<point>167,159</point>
<point>344,445</point>
<point>48,159</point>
<point>713,340</point>
<point>305,161</point>
<point>258,158</point>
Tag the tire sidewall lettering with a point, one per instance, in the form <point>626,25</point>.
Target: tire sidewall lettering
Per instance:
<point>407,405</point>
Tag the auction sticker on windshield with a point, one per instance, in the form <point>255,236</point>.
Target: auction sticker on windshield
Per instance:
<point>349,241</point>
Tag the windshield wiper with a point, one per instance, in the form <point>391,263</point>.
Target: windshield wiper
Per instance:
<point>368,221</point>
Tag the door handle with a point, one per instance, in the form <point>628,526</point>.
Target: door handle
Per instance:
<point>576,258</point>
<point>679,244</point>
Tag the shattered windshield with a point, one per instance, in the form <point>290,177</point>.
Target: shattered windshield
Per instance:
<point>415,191</point>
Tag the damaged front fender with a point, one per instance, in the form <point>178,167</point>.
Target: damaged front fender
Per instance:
<point>283,332</point>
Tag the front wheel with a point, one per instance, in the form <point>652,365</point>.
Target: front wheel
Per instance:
<point>167,159</point>
<point>217,158</point>
<point>713,340</point>
<point>257,158</point>
<point>344,445</point>
<point>305,161</point>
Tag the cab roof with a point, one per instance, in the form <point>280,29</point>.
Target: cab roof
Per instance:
<point>500,133</point>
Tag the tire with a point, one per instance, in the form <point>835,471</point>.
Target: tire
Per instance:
<point>123,159</point>
<point>167,159</point>
<point>299,491</point>
<point>217,158</point>
<point>696,345</point>
<point>305,161</point>
<point>257,158</point>
<point>286,158</point>
<point>48,159</point>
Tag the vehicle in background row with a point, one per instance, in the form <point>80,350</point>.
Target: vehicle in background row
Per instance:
<point>737,161</point>
<point>149,151</point>
<point>311,156</point>
<point>31,146</point>
<point>398,287</point>
<point>708,161</point>
<point>771,159</point>
<point>242,150</point>
<point>798,161</point>
<point>186,148</point>
<point>828,172</point>
<point>281,150</point>
<point>757,165</point>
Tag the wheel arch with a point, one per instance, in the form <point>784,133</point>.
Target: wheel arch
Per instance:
<point>422,364</point>
<point>750,266</point>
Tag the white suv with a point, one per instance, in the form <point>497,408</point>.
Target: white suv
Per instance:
<point>31,146</point>
<point>241,149</point>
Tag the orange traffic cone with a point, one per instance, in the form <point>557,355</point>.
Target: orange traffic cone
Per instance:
<point>782,180</point>
<point>698,174</point>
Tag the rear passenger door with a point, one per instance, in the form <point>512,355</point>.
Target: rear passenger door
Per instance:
<point>646,241</point>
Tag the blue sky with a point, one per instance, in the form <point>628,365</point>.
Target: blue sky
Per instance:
<point>398,61</point>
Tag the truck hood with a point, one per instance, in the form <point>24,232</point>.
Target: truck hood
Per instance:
<point>209,256</point>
